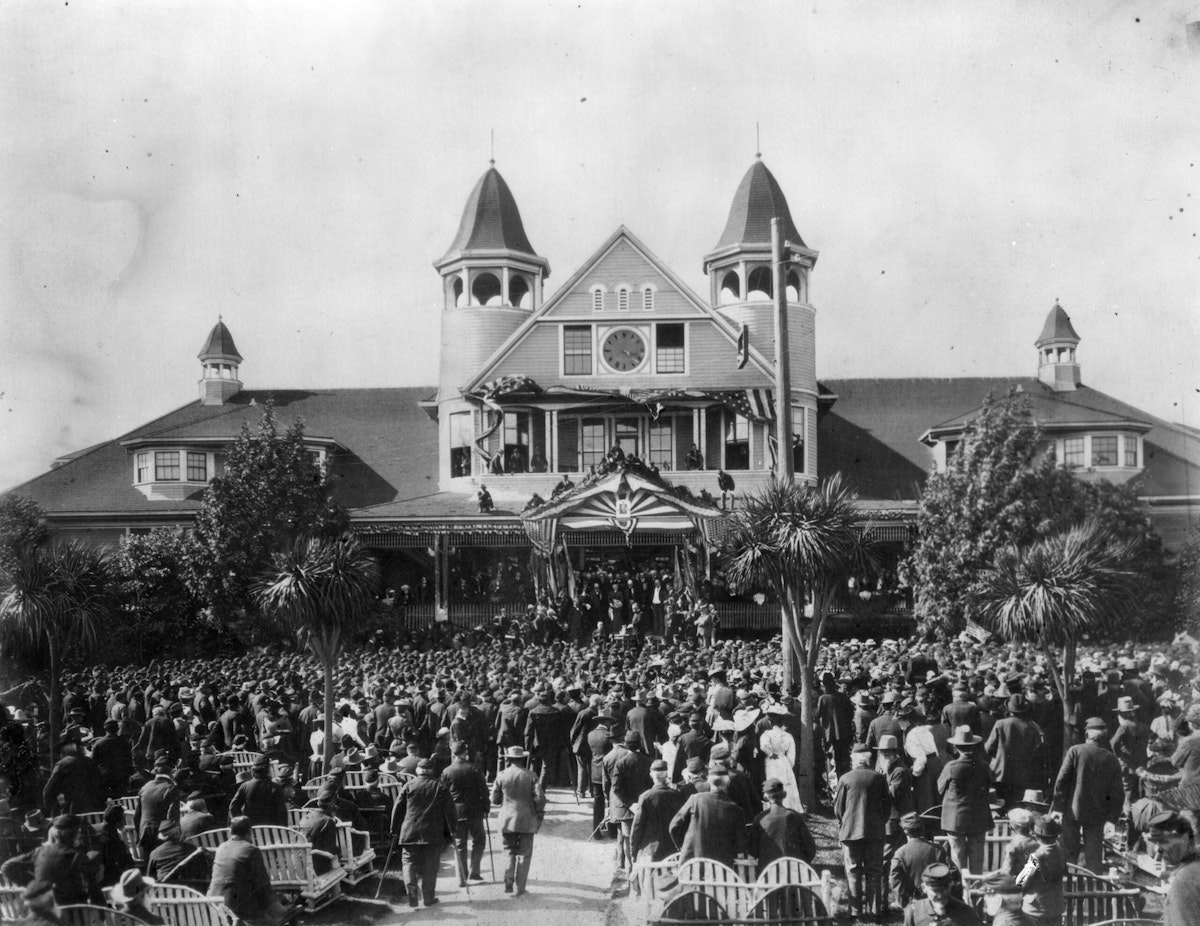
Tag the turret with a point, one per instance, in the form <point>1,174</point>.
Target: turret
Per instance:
<point>1058,366</point>
<point>219,359</point>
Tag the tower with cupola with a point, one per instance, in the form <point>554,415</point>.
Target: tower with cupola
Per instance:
<point>219,360</point>
<point>741,287</point>
<point>1058,366</point>
<point>492,282</point>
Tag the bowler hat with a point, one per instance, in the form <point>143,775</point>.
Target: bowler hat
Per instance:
<point>1017,704</point>
<point>1047,828</point>
<point>1125,705</point>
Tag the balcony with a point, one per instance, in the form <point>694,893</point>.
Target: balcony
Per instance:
<point>514,490</point>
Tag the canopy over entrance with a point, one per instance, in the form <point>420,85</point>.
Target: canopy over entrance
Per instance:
<point>628,499</point>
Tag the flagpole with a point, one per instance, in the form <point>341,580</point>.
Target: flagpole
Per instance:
<point>783,411</point>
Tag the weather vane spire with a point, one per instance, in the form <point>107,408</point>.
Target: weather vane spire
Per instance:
<point>757,142</point>
<point>492,159</point>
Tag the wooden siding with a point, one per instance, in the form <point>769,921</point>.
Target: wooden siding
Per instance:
<point>759,317</point>
<point>623,264</point>
<point>469,337</point>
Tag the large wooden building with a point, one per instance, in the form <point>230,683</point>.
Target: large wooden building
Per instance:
<point>533,386</point>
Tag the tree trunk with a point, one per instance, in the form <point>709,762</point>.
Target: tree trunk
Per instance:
<point>1068,676</point>
<point>53,709</point>
<point>328,745</point>
<point>808,720</point>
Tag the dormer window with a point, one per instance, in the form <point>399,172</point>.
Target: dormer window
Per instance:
<point>197,467</point>
<point>166,466</point>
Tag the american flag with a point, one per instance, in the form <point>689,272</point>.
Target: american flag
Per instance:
<point>491,391</point>
<point>756,404</point>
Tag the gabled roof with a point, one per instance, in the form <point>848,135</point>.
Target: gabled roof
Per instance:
<point>758,199</point>
<point>490,221</point>
<point>1058,327</point>
<point>487,371</point>
<point>219,345</point>
<point>387,450</point>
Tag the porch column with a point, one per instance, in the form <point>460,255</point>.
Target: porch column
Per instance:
<point>551,453</point>
<point>438,589</point>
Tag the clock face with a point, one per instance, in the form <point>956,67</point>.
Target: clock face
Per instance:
<point>624,350</point>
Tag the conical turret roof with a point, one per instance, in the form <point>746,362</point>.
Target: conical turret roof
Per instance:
<point>219,345</point>
<point>1058,327</point>
<point>491,220</point>
<point>758,199</point>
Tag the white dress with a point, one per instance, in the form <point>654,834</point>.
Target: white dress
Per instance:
<point>779,751</point>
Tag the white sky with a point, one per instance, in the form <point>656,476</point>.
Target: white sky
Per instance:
<point>297,166</point>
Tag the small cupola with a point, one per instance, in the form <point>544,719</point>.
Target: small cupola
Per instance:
<point>1058,367</point>
<point>219,359</point>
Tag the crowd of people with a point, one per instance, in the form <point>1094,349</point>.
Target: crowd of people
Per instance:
<point>688,746</point>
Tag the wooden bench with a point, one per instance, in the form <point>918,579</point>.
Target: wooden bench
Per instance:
<point>194,871</point>
<point>210,839</point>
<point>243,759</point>
<point>993,850</point>
<point>86,914</point>
<point>717,880</point>
<point>1091,898</point>
<point>183,906</point>
<point>358,866</point>
<point>290,868</point>
<point>653,881</point>
<point>784,906</point>
<point>794,872</point>
<point>12,902</point>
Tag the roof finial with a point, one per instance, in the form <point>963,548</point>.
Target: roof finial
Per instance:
<point>492,159</point>
<point>220,317</point>
<point>757,142</point>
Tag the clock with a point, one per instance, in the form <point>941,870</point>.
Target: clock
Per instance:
<point>624,350</point>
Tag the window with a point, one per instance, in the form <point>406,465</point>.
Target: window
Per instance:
<point>141,467</point>
<point>197,466</point>
<point>461,433</point>
<point>598,299</point>
<point>737,441</point>
<point>592,446</point>
<point>662,443</point>
<point>627,435</point>
<point>669,355</point>
<point>516,442</point>
<point>623,299</point>
<point>647,299</point>
<point>798,440</point>
<point>166,465</point>
<point>1131,451</point>
<point>1104,451</point>
<point>1073,451</point>
<point>577,350</point>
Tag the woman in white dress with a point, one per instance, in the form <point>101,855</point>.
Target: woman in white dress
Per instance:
<point>779,752</point>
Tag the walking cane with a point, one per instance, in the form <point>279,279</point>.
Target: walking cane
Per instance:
<point>386,863</point>
<point>487,821</point>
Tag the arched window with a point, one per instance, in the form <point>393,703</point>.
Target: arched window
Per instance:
<point>457,289</point>
<point>518,291</point>
<point>485,289</point>
<point>793,291</point>
<point>759,286</point>
<point>731,288</point>
<point>598,298</point>
<point>647,299</point>
<point>623,299</point>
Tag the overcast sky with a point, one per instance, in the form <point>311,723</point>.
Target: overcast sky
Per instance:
<point>297,166</point>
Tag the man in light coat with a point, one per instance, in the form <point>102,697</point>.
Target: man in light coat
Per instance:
<point>522,802</point>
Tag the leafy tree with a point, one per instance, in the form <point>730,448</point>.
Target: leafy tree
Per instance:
<point>1187,590</point>
<point>320,589</point>
<point>1000,489</point>
<point>1050,593</point>
<point>270,492</point>
<point>22,527</point>
<point>801,542</point>
<point>57,600</point>
<point>160,610</point>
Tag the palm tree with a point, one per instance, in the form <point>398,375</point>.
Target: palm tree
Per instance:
<point>317,589</point>
<point>57,598</point>
<point>1058,589</point>
<point>802,542</point>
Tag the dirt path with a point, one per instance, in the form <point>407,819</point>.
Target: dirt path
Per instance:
<point>569,883</point>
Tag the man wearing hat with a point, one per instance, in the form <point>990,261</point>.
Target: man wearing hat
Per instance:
<point>522,802</point>
<point>626,776</point>
<point>260,798</point>
<point>469,795</point>
<point>695,743</point>
<point>1041,880</point>
<point>886,723</point>
<point>650,834</point>
<point>170,851</point>
<point>939,907</point>
<point>835,717</point>
<point>1014,747</point>
<point>710,824</point>
<point>424,821</point>
<point>962,711</point>
<point>862,805</point>
<point>1158,776</point>
<point>1172,842</point>
<point>964,784</point>
<point>77,780</point>
<point>194,818</point>
<point>546,737</point>
<point>62,872</point>
<point>158,800</point>
<point>113,755</point>
<point>892,766</point>
<point>911,860</point>
<point>129,896</point>
<point>599,744</point>
<point>1129,744</point>
<point>779,832</point>
<point>240,878</point>
<point>1089,793</point>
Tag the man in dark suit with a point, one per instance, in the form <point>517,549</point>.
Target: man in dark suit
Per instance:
<point>580,728</point>
<point>709,824</point>
<point>599,742</point>
<point>76,779</point>
<point>113,755</point>
<point>647,721</point>
<point>545,737</point>
<point>911,860</point>
<point>1089,793</point>
<point>626,776</point>
<point>862,806</point>
<point>835,717</point>
<point>510,724</point>
<point>656,809</point>
<point>424,816</point>
<point>469,795</point>
<point>260,798</point>
<point>779,832</point>
<point>693,744</point>
<point>159,734</point>
<point>1014,747</point>
<point>157,801</point>
<point>240,878</point>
